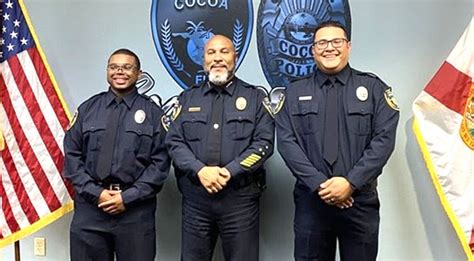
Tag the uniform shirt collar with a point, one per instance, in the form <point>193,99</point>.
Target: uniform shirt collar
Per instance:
<point>128,100</point>
<point>228,88</point>
<point>342,77</point>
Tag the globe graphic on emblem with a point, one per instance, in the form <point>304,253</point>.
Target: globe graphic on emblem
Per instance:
<point>195,47</point>
<point>301,26</point>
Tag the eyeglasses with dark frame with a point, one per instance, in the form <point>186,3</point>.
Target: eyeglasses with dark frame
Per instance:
<point>336,43</point>
<point>124,67</point>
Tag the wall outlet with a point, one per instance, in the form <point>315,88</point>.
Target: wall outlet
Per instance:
<point>40,246</point>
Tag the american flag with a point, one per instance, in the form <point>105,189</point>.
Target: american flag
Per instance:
<point>33,119</point>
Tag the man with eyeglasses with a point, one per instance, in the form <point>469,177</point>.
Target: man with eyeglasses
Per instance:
<point>335,132</point>
<point>116,160</point>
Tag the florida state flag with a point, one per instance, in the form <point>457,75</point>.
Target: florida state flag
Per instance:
<point>444,127</point>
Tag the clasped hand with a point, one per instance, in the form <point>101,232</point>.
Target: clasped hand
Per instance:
<point>337,191</point>
<point>110,201</point>
<point>214,179</point>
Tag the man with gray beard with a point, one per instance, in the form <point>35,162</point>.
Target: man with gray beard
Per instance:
<point>219,139</point>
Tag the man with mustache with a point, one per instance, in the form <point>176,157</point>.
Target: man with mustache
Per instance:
<point>220,138</point>
<point>116,160</point>
<point>336,131</point>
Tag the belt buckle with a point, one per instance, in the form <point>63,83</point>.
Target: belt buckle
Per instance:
<point>114,186</point>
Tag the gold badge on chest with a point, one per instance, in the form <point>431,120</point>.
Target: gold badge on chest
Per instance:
<point>241,103</point>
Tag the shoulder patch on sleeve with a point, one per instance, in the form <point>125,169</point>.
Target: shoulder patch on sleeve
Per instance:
<point>176,111</point>
<point>279,96</point>
<point>274,104</point>
<point>165,122</point>
<point>276,99</point>
<point>73,120</point>
<point>171,110</point>
<point>391,101</point>
<point>267,104</point>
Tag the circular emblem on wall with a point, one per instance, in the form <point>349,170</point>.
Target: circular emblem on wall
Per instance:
<point>285,32</point>
<point>181,29</point>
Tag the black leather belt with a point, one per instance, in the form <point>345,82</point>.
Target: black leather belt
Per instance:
<point>113,185</point>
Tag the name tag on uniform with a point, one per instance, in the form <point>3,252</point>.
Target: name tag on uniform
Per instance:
<point>305,98</point>
<point>194,109</point>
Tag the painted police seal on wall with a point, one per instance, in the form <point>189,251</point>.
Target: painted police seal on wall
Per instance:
<point>181,29</point>
<point>285,32</point>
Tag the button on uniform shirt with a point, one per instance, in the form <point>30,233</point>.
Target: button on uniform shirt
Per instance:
<point>225,126</point>
<point>140,162</point>
<point>366,129</point>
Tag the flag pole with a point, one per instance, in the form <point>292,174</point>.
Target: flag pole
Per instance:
<point>17,250</point>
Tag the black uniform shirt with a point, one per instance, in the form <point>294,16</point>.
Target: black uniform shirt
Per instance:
<point>140,162</point>
<point>367,128</point>
<point>221,126</point>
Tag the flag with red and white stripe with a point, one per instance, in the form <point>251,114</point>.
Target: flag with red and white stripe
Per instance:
<point>444,127</point>
<point>33,119</point>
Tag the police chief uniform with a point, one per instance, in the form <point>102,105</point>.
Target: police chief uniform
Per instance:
<point>226,126</point>
<point>367,119</point>
<point>139,166</point>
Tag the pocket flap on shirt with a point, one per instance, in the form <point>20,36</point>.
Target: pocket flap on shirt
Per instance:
<point>93,127</point>
<point>360,108</point>
<point>238,116</point>
<point>194,117</point>
<point>139,129</point>
<point>304,107</point>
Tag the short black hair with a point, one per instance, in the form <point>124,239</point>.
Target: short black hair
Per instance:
<point>127,52</point>
<point>331,23</point>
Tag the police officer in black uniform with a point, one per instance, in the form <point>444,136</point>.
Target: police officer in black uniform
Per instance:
<point>117,162</point>
<point>336,131</point>
<point>221,135</point>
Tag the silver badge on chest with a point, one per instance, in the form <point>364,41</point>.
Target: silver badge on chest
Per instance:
<point>362,93</point>
<point>140,116</point>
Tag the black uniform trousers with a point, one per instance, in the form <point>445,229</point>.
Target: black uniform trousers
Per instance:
<point>318,226</point>
<point>97,236</point>
<point>232,214</point>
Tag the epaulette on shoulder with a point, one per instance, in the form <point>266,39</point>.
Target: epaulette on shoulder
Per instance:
<point>198,85</point>
<point>187,90</point>
<point>260,88</point>
<point>246,84</point>
<point>93,97</point>
<point>191,88</point>
<point>370,74</point>
<point>154,98</point>
<point>300,79</point>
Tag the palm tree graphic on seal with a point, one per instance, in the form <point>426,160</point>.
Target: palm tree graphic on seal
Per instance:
<point>197,36</point>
